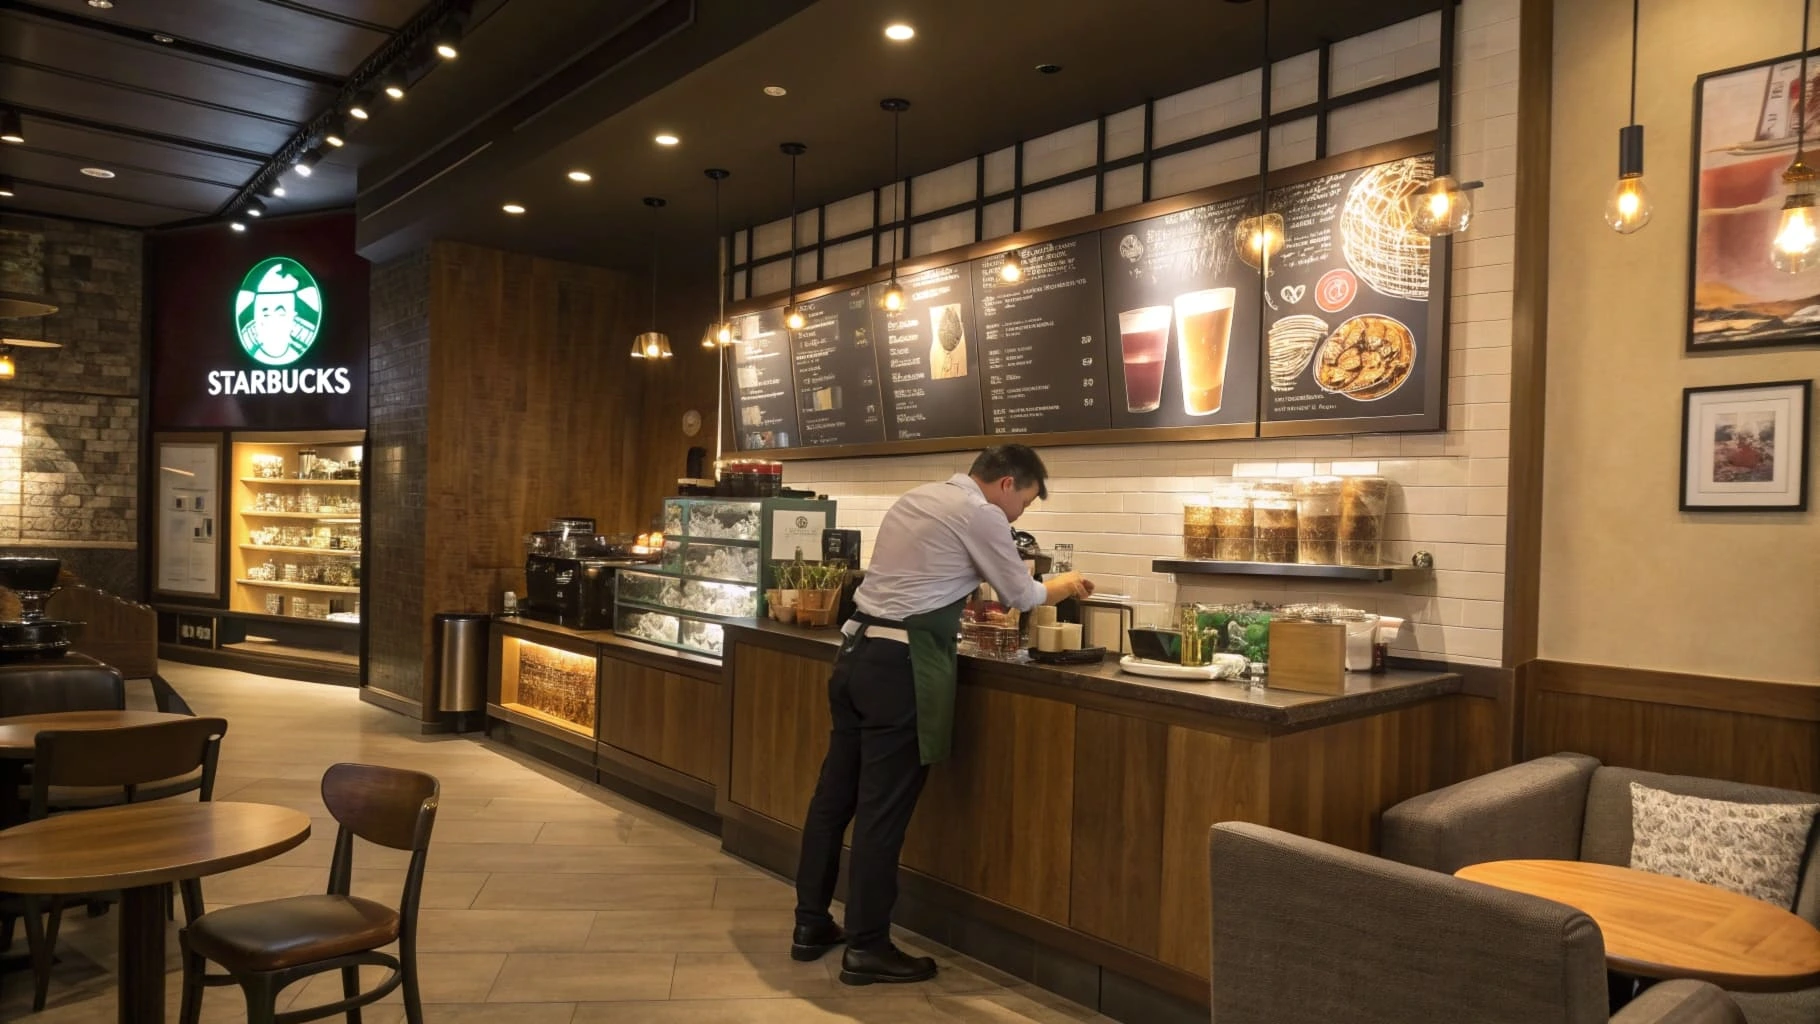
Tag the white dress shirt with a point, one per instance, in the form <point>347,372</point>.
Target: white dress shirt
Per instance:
<point>935,546</point>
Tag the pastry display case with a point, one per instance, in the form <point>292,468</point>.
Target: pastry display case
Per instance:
<point>715,556</point>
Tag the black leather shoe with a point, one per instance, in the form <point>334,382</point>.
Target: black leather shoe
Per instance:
<point>889,965</point>
<point>811,942</point>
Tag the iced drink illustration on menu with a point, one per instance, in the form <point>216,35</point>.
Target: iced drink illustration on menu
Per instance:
<point>1144,342</point>
<point>1203,331</point>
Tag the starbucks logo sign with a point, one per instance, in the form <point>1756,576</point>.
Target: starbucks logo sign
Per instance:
<point>278,311</point>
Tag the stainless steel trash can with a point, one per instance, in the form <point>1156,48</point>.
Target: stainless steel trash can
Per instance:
<point>461,660</point>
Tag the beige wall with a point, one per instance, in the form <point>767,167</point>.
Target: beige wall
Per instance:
<point>1626,578</point>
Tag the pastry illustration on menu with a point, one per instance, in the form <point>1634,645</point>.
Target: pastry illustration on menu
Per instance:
<point>1346,336</point>
<point>1178,296</point>
<point>926,357</point>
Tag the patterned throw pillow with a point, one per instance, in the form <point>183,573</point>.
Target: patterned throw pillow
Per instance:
<point>1754,849</point>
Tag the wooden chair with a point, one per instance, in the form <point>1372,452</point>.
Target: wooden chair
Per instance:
<point>133,760</point>
<point>267,946</point>
<point>114,631</point>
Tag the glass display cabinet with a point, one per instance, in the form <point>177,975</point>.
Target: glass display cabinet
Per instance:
<point>716,554</point>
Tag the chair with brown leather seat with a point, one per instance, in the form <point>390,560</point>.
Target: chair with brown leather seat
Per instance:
<point>267,946</point>
<point>44,687</point>
<point>129,764</point>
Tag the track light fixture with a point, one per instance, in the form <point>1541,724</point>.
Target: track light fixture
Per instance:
<point>361,107</point>
<point>393,84</point>
<point>337,135</point>
<point>7,188</point>
<point>306,164</point>
<point>11,128</point>
<point>237,225</point>
<point>447,39</point>
<point>255,207</point>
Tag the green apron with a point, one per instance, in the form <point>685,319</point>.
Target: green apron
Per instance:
<point>934,666</point>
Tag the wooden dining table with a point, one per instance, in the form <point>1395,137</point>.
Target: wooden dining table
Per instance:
<point>1657,926</point>
<point>138,849</point>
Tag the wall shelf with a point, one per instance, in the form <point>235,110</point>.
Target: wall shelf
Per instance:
<point>283,585</point>
<point>1200,567</point>
<point>351,517</point>
<point>339,552</point>
<point>285,481</point>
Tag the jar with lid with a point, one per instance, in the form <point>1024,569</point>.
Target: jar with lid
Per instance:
<point>1197,530</point>
<point>1233,539</point>
<point>1317,500</point>
<point>1273,518</point>
<point>1363,502</point>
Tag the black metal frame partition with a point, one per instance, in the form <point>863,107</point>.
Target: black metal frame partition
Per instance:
<point>1324,105</point>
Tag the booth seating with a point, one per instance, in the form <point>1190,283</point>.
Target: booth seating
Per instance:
<point>1571,807</point>
<point>1308,933</point>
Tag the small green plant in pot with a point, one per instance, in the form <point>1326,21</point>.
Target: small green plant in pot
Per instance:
<point>818,593</point>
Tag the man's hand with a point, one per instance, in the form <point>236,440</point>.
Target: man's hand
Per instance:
<point>1065,586</point>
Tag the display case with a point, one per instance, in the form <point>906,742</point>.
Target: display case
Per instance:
<point>715,559</point>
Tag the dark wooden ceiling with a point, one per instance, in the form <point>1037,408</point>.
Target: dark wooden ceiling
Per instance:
<point>182,124</point>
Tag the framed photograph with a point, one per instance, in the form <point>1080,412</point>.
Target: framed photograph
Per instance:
<point>1744,448</point>
<point>1744,138</point>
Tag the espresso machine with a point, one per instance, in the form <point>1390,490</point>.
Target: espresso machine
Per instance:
<point>32,635</point>
<point>569,573</point>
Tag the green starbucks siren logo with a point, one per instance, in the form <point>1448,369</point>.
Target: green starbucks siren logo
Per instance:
<point>278,311</point>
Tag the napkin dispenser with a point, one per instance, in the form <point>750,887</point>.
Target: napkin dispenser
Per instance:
<point>1105,623</point>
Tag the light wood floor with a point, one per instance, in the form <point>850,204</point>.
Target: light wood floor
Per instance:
<point>547,900</point>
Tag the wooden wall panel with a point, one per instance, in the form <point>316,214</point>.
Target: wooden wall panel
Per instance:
<point>780,731</point>
<point>1210,778</point>
<point>1743,730</point>
<point>660,716</point>
<point>995,817</point>
<point>532,413</point>
<point>1120,771</point>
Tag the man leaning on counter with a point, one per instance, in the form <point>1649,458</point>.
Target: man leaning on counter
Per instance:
<point>892,695</point>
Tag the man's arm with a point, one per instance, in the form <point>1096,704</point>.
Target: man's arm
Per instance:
<point>988,541</point>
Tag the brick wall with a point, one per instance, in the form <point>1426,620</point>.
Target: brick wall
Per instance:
<point>397,441</point>
<point>69,423</point>
<point>1121,506</point>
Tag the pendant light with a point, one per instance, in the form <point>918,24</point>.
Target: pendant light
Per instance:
<point>1011,270</point>
<point>1261,237</point>
<point>1444,205</point>
<point>7,369</point>
<point>1797,244</point>
<point>893,299</point>
<point>1629,208</point>
<point>652,344</point>
<point>720,332</point>
<point>793,315</point>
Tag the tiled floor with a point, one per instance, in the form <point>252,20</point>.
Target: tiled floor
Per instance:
<point>546,901</point>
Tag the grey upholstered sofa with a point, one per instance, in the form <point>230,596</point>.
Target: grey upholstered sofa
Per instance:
<point>1307,933</point>
<point>1570,807</point>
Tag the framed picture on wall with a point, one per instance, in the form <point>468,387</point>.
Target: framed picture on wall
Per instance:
<point>1744,447</point>
<point>1745,136</point>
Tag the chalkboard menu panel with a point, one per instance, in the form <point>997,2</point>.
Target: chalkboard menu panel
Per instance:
<point>837,371</point>
<point>764,397</point>
<point>1184,310</point>
<point>1041,339</point>
<point>929,362</point>
<point>1348,333</point>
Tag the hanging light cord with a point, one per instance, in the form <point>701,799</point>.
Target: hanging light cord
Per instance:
<point>720,284</point>
<point>653,268</point>
<point>897,117</point>
<point>1801,108</point>
<point>792,229</point>
<point>1636,7</point>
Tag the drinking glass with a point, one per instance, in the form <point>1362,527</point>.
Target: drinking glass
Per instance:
<point>1061,558</point>
<point>1144,344</point>
<point>1203,331</point>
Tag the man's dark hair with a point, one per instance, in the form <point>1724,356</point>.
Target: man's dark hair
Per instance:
<point>1019,462</point>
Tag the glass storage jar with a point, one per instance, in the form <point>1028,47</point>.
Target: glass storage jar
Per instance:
<point>1363,502</point>
<point>1233,539</point>
<point>1273,518</point>
<point>1317,500</point>
<point>1197,531</point>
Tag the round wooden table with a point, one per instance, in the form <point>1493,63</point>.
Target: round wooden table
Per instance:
<point>19,734</point>
<point>1661,927</point>
<point>137,849</point>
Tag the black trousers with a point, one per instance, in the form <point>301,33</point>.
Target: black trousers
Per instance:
<point>872,776</point>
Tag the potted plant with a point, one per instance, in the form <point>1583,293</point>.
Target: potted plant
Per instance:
<point>780,600</point>
<point>818,596</point>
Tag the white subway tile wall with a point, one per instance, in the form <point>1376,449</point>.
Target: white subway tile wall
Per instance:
<point>1121,506</point>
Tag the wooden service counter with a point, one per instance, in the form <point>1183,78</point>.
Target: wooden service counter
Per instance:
<point>613,710</point>
<point>1075,810</point>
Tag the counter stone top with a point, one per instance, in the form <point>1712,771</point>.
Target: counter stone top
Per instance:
<point>1365,693</point>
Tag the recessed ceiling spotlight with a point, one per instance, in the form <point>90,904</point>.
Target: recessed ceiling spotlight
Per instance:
<point>101,4</point>
<point>666,139</point>
<point>513,208</point>
<point>98,172</point>
<point>899,32</point>
<point>775,90</point>
<point>582,177</point>
<point>7,189</point>
<point>1049,69</point>
<point>239,226</point>
<point>11,128</point>
<point>160,37</point>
